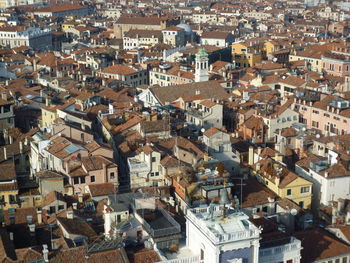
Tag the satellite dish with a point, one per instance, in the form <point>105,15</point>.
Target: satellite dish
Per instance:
<point>202,130</point>
<point>304,128</point>
<point>318,136</point>
<point>293,212</point>
<point>274,60</point>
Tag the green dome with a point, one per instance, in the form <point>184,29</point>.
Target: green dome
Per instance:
<point>202,53</point>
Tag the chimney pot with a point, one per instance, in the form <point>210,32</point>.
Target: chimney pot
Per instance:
<point>40,216</point>
<point>80,197</point>
<point>5,153</point>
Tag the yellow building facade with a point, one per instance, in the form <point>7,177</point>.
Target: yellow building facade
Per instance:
<point>284,183</point>
<point>245,54</point>
<point>48,115</point>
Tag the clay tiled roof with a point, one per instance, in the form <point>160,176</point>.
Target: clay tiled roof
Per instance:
<point>92,163</point>
<point>79,255</point>
<point>288,132</point>
<point>207,90</point>
<point>60,8</point>
<point>144,256</point>
<point>119,69</point>
<point>170,161</point>
<point>155,126</point>
<point>138,20</point>
<point>7,171</point>
<point>102,189</point>
<point>215,34</point>
<point>345,229</point>
<point>320,245</point>
<point>254,123</point>
<point>77,227</point>
<point>255,194</point>
<point>210,132</point>
<point>51,197</point>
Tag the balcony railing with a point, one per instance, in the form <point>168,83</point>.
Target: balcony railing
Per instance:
<point>198,114</point>
<point>175,229</point>
<point>281,253</point>
<point>191,259</point>
<point>218,238</point>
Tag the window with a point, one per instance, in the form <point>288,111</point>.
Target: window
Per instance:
<point>111,175</point>
<point>61,207</point>
<point>92,179</point>
<point>52,209</point>
<point>76,180</point>
<point>289,191</point>
<point>301,204</point>
<point>12,220</point>
<point>305,189</point>
<point>153,159</point>
<point>82,180</point>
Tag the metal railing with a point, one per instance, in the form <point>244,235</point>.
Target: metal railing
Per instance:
<point>190,259</point>
<point>215,237</point>
<point>280,253</point>
<point>160,232</point>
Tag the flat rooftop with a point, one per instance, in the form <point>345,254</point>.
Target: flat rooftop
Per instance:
<point>235,226</point>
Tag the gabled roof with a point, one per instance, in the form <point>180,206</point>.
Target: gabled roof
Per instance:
<point>207,90</point>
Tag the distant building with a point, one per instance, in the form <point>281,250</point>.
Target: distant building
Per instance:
<point>126,74</point>
<point>136,38</point>
<point>62,10</point>
<point>124,24</point>
<point>16,36</point>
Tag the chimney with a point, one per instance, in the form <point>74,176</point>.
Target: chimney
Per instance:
<point>259,151</point>
<point>67,167</point>
<point>32,229</point>
<point>326,174</point>
<point>45,253</point>
<point>34,65</point>
<point>80,197</point>
<point>4,96</point>
<point>5,153</point>
<point>21,147</point>
<point>39,216</point>
<point>75,206</point>
<point>83,126</point>
<point>47,103</point>
<point>11,236</point>
<point>251,155</point>
<point>70,214</point>
<point>104,167</point>
<point>10,139</point>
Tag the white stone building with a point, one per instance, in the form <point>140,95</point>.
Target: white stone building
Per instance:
<point>218,239</point>
<point>16,36</point>
<point>204,114</point>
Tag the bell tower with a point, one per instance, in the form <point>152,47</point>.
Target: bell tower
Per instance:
<point>201,73</point>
